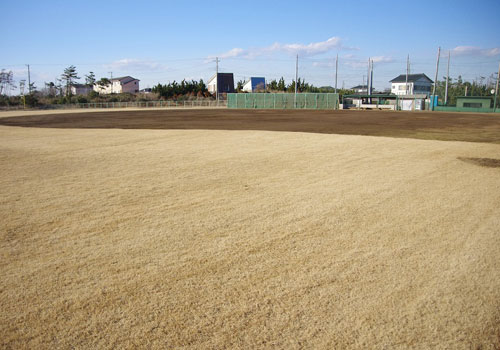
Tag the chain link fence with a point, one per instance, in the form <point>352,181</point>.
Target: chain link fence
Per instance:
<point>147,104</point>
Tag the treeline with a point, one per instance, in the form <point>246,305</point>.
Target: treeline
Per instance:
<point>459,87</point>
<point>280,86</point>
<point>184,89</point>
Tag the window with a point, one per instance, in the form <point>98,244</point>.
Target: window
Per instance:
<point>473,104</point>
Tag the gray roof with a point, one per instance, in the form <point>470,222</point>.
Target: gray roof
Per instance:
<point>220,75</point>
<point>411,78</point>
<point>125,80</point>
<point>359,87</point>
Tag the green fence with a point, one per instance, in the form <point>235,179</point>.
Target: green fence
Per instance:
<point>465,109</point>
<point>283,101</point>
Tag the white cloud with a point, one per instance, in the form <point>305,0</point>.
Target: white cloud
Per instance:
<point>382,59</point>
<point>303,50</point>
<point>354,62</point>
<point>132,64</point>
<point>475,51</point>
<point>234,53</point>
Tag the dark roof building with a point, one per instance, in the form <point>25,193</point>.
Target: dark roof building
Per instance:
<point>411,78</point>
<point>416,84</point>
<point>224,83</point>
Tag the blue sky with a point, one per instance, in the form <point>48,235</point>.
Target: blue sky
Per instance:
<point>162,41</point>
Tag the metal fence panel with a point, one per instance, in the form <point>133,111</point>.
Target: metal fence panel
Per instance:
<point>283,101</point>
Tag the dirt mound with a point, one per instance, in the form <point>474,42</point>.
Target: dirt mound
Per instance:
<point>486,162</point>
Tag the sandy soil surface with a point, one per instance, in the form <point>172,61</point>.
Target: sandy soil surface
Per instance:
<point>28,112</point>
<point>420,125</point>
<point>216,239</point>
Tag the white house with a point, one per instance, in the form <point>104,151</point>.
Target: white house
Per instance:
<point>360,89</point>
<point>80,89</point>
<point>417,84</point>
<point>119,85</point>
<point>255,84</point>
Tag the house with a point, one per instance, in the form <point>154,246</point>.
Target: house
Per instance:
<point>255,84</point>
<point>221,82</point>
<point>80,89</point>
<point>119,85</point>
<point>417,84</point>
<point>360,89</point>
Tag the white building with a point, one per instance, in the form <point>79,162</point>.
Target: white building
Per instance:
<point>223,82</point>
<point>119,85</point>
<point>255,84</point>
<point>417,84</point>
<point>360,89</point>
<point>80,89</point>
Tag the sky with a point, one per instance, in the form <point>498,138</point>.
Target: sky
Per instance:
<point>163,41</point>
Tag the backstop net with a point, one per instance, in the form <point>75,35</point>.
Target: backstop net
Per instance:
<point>284,101</point>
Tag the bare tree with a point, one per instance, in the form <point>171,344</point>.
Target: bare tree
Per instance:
<point>6,82</point>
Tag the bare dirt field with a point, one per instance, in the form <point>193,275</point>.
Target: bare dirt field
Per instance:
<point>421,125</point>
<point>118,233</point>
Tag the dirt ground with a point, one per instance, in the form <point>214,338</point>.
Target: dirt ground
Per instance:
<point>420,125</point>
<point>237,239</point>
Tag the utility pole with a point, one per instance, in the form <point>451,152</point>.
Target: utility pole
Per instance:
<point>407,72</point>
<point>29,79</point>
<point>496,89</point>
<point>371,81</point>
<point>336,71</point>
<point>368,82</point>
<point>447,79</point>
<point>217,80</point>
<point>296,79</point>
<point>435,79</point>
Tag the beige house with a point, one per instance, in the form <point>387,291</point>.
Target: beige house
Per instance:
<point>119,85</point>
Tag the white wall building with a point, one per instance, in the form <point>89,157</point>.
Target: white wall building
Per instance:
<point>360,89</point>
<point>417,84</point>
<point>255,84</point>
<point>119,85</point>
<point>223,82</point>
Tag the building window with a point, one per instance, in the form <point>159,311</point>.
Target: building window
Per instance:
<point>472,105</point>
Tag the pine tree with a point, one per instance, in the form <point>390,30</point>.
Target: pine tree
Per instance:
<point>90,79</point>
<point>69,76</point>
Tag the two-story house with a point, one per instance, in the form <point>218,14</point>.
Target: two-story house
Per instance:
<point>417,84</point>
<point>119,85</point>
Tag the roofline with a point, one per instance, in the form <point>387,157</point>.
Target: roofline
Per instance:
<point>372,96</point>
<point>425,75</point>
<point>476,97</point>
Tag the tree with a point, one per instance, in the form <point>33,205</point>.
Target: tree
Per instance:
<point>103,82</point>
<point>90,79</point>
<point>239,86</point>
<point>69,76</point>
<point>273,85</point>
<point>281,84</point>
<point>6,82</point>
